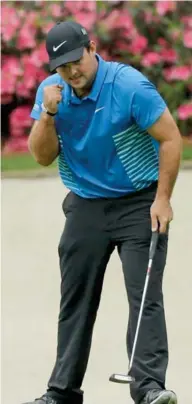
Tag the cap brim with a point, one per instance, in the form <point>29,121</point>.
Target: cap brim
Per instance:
<point>71,56</point>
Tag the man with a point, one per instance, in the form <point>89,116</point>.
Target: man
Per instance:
<point>119,152</point>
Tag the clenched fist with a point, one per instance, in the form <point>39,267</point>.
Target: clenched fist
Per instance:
<point>52,97</point>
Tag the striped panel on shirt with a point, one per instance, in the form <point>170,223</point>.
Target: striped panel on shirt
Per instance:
<point>138,156</point>
<point>65,172</point>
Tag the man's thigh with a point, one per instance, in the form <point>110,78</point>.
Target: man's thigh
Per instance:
<point>84,248</point>
<point>134,254</point>
<point>132,235</point>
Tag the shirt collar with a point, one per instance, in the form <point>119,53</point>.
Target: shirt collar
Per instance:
<point>96,88</point>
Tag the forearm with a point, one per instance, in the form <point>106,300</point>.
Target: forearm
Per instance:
<point>43,141</point>
<point>169,162</point>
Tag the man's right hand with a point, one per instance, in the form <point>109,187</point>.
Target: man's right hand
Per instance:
<point>52,97</point>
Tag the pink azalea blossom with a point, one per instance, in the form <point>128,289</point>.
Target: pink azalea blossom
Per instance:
<point>30,71</point>
<point>20,120</point>
<point>187,38</point>
<point>119,20</point>
<point>56,10</point>
<point>74,6</point>
<point>8,32</point>
<point>31,18</point>
<point>30,76</point>
<point>26,37</point>
<point>150,59</point>
<point>185,111</point>
<point>22,90</point>
<point>25,59</point>
<point>162,42</point>
<point>41,75</point>
<point>33,71</point>
<point>87,19</point>
<point>8,83</point>
<point>11,71</point>
<point>15,145</point>
<point>177,73</point>
<point>39,56</point>
<point>169,55</point>
<point>138,44</point>
<point>12,66</point>
<point>10,22</point>
<point>20,116</point>
<point>90,6</point>
<point>124,21</point>
<point>187,20</point>
<point>163,7</point>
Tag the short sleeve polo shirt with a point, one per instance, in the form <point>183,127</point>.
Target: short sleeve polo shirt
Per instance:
<point>105,149</point>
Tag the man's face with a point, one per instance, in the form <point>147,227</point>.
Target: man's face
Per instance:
<point>80,74</point>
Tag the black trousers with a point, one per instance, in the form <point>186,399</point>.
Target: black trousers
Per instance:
<point>92,230</point>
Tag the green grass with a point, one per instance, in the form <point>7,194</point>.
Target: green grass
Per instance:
<point>25,161</point>
<point>187,153</point>
<point>18,162</point>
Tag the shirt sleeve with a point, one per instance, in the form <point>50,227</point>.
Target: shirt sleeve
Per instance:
<point>147,104</point>
<point>37,108</point>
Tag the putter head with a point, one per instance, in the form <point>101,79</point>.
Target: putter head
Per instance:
<point>119,378</point>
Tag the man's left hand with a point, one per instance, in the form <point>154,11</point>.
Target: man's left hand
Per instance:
<point>161,214</point>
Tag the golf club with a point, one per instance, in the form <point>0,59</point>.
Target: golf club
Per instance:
<point>127,378</point>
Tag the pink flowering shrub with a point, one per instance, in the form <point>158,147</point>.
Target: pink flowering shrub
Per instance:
<point>155,37</point>
<point>20,122</point>
<point>185,111</point>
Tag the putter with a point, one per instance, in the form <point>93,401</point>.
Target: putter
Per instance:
<point>127,378</point>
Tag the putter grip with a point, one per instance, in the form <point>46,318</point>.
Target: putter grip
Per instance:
<point>154,240</point>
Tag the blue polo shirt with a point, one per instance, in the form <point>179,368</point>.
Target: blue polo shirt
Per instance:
<point>105,149</point>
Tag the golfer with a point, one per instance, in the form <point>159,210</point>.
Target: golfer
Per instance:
<point>118,151</point>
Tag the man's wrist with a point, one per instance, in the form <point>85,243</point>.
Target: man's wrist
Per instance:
<point>48,112</point>
<point>162,197</point>
<point>47,118</point>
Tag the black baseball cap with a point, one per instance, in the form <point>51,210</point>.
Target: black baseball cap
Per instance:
<point>65,43</point>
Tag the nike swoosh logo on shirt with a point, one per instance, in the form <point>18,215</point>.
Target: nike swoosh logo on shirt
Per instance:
<point>99,109</point>
<point>55,48</point>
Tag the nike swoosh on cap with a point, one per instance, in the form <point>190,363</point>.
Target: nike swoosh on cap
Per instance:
<point>55,48</point>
